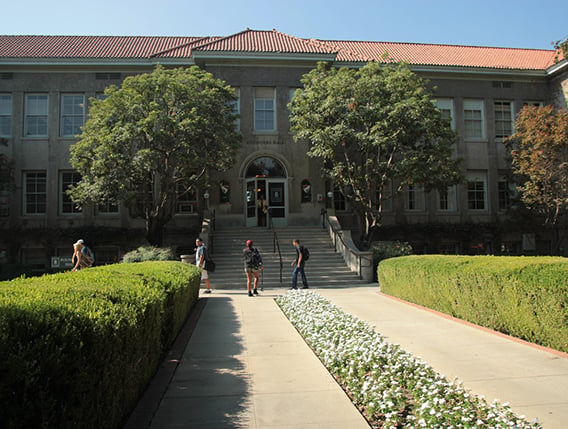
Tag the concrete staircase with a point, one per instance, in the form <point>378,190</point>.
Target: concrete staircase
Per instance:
<point>325,267</point>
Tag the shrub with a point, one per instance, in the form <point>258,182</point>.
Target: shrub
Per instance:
<point>390,249</point>
<point>78,348</point>
<point>526,297</point>
<point>143,254</point>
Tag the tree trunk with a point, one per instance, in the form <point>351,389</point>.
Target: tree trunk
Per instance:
<point>154,232</point>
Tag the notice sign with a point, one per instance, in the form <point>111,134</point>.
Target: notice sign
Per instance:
<point>61,262</point>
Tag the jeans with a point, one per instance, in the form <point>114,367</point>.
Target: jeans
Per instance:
<point>300,270</point>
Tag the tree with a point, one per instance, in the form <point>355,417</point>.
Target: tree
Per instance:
<point>561,47</point>
<point>539,155</point>
<point>154,139</point>
<point>374,127</point>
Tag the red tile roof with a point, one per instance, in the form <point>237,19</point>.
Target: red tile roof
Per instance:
<point>270,42</point>
<point>88,46</point>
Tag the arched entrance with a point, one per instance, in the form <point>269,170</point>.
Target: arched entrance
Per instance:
<point>266,192</point>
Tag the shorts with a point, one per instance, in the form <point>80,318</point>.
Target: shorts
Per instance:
<point>252,269</point>
<point>204,274</point>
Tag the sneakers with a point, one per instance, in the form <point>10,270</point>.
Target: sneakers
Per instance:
<point>293,288</point>
<point>255,292</point>
<point>250,293</point>
<point>207,291</point>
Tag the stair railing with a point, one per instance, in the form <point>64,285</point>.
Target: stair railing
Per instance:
<point>276,246</point>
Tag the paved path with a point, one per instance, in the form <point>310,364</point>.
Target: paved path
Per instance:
<point>245,366</point>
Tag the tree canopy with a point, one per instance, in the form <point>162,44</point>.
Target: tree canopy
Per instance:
<point>152,139</point>
<point>374,128</point>
<point>539,152</point>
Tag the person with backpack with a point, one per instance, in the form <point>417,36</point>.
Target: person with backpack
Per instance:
<point>253,264</point>
<point>200,258</point>
<point>302,255</point>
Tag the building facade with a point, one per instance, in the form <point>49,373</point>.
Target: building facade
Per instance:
<point>46,83</point>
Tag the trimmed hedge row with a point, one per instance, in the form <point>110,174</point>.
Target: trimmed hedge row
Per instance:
<point>77,349</point>
<point>526,297</point>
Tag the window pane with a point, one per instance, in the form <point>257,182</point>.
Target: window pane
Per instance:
<point>35,193</point>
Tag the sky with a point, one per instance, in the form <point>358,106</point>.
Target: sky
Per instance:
<point>529,24</point>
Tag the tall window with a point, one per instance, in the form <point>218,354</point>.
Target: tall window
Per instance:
<point>414,198</point>
<point>186,200</point>
<point>447,199</point>
<point>72,114</point>
<point>35,192</point>
<point>476,192</point>
<point>446,106</point>
<point>473,119</point>
<point>503,118</point>
<point>505,191</point>
<point>236,105</point>
<point>5,115</point>
<point>107,208</point>
<point>264,109</point>
<point>339,202</point>
<point>66,180</point>
<point>35,121</point>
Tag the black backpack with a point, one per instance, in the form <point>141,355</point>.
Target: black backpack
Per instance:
<point>305,253</point>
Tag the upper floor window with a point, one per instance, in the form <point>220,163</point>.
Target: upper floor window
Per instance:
<point>477,192</point>
<point>503,118</point>
<point>35,192</point>
<point>446,106</point>
<point>533,103</point>
<point>474,127</point>
<point>414,200</point>
<point>236,104</point>
<point>506,192</point>
<point>67,179</point>
<point>72,114</point>
<point>35,121</point>
<point>264,109</point>
<point>447,199</point>
<point>5,115</point>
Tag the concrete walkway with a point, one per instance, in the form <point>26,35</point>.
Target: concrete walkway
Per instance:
<point>245,366</point>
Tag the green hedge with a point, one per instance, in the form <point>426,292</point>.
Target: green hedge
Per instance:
<point>526,297</point>
<point>77,349</point>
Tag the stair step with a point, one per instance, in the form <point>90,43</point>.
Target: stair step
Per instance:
<point>326,267</point>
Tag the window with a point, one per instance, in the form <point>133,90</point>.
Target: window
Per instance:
<point>476,192</point>
<point>107,208</point>
<point>414,200</point>
<point>473,119</point>
<point>72,114</point>
<point>339,202</point>
<point>35,121</point>
<point>35,192</point>
<point>237,109</point>
<point>107,76</point>
<point>5,115</point>
<point>264,109</point>
<point>4,203</point>
<point>186,199</point>
<point>447,200</point>
<point>533,103</point>
<point>506,192</point>
<point>68,179</point>
<point>446,106</point>
<point>503,118</point>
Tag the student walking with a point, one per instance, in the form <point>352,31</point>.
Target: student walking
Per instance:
<point>200,257</point>
<point>299,265</point>
<point>253,264</point>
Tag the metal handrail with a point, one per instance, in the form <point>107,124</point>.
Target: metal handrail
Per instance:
<point>276,246</point>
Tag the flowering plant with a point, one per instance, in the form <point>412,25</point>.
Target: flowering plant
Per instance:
<point>390,387</point>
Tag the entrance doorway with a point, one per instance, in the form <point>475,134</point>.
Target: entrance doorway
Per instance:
<point>266,193</point>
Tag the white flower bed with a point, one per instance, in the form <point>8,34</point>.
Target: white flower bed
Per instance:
<point>391,388</point>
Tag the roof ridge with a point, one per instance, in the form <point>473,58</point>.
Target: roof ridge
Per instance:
<point>456,45</point>
<point>340,49</point>
<point>230,36</point>
<point>173,48</point>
